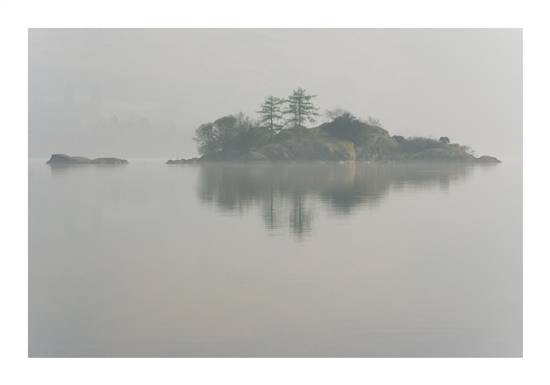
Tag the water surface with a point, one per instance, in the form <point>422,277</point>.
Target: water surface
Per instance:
<point>275,260</point>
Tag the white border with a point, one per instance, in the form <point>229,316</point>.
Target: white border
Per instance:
<point>17,16</point>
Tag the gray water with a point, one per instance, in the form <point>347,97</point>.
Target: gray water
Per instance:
<point>275,260</point>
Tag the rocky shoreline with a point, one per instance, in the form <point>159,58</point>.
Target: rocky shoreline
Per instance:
<point>484,159</point>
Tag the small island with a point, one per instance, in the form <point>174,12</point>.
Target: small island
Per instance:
<point>66,160</point>
<point>280,134</point>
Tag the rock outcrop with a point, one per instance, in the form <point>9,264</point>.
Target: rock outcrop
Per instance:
<point>307,145</point>
<point>487,159</point>
<point>183,161</point>
<point>63,159</point>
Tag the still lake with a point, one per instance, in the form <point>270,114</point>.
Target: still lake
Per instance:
<point>294,260</point>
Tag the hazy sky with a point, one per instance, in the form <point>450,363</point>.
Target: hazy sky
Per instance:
<point>142,93</point>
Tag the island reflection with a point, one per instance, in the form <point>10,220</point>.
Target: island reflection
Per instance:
<point>291,195</point>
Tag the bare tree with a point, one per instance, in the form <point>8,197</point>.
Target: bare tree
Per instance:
<point>372,121</point>
<point>335,113</point>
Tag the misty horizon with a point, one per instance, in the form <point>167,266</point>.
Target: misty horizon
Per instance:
<point>142,93</point>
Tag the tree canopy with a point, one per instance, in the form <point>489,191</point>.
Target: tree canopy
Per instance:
<point>271,114</point>
<point>230,133</point>
<point>300,108</point>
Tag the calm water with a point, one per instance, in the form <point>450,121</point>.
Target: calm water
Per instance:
<point>275,260</point>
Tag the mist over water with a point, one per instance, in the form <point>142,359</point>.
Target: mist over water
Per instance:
<point>316,259</point>
<point>143,92</point>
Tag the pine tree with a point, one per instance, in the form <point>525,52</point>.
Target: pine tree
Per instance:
<point>271,114</point>
<point>300,108</point>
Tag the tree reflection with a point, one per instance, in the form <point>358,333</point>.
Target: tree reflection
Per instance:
<point>291,194</point>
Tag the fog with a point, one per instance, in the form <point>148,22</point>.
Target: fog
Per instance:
<point>142,93</point>
<point>318,259</point>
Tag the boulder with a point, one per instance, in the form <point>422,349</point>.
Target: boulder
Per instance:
<point>109,161</point>
<point>183,161</point>
<point>488,159</point>
<point>66,159</point>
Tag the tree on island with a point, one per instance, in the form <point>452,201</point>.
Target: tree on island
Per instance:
<point>335,113</point>
<point>343,137</point>
<point>372,121</point>
<point>301,108</point>
<point>237,133</point>
<point>271,114</point>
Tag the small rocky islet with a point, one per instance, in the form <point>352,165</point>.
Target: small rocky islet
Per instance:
<point>66,160</point>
